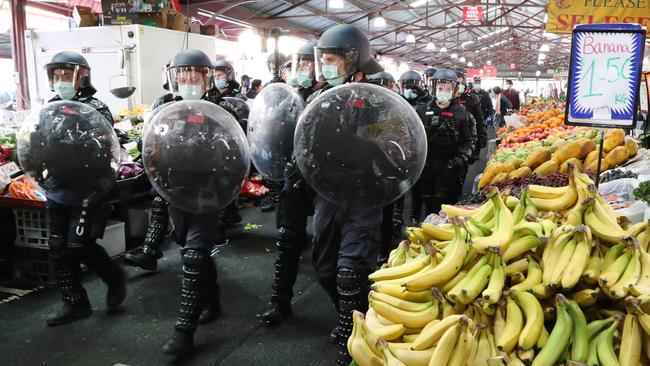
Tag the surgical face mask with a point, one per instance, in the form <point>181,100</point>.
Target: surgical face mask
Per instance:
<point>443,96</point>
<point>331,75</point>
<point>410,94</point>
<point>190,92</point>
<point>507,87</point>
<point>65,90</point>
<point>221,83</point>
<point>477,87</point>
<point>246,84</point>
<point>303,79</point>
<point>461,88</point>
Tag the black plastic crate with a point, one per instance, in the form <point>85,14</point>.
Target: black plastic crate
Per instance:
<point>34,265</point>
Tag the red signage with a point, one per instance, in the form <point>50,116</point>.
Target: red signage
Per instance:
<point>490,71</point>
<point>513,66</point>
<point>472,13</point>
<point>471,73</point>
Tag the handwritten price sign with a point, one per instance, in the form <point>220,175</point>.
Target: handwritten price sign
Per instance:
<point>604,74</point>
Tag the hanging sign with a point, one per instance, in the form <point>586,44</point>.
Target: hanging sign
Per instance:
<point>604,75</point>
<point>472,13</point>
<point>564,14</point>
<point>490,71</point>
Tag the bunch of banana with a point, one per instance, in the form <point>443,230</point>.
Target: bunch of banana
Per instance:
<point>502,228</point>
<point>641,232</point>
<point>487,273</point>
<point>625,270</point>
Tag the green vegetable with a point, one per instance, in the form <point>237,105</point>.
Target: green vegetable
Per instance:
<point>643,191</point>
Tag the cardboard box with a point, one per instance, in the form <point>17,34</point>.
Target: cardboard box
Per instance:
<point>209,30</point>
<point>129,6</point>
<point>168,19</point>
<point>84,16</point>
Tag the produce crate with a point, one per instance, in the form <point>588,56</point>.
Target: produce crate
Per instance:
<point>34,265</point>
<point>114,238</point>
<point>32,229</point>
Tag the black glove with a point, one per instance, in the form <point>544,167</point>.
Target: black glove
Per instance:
<point>457,163</point>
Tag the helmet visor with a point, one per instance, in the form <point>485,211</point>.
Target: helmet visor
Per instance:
<point>200,76</point>
<point>62,72</point>
<point>334,63</point>
<point>302,69</point>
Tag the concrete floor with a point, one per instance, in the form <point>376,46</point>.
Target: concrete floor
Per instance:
<point>135,335</point>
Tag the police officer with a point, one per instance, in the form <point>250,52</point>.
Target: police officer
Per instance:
<point>224,80</point>
<point>270,64</point>
<point>428,76</point>
<point>486,101</point>
<point>346,239</point>
<point>295,205</point>
<point>69,77</point>
<point>470,100</point>
<point>449,143</point>
<point>190,78</point>
<point>384,79</point>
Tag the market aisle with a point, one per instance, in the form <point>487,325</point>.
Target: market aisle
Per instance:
<point>135,336</point>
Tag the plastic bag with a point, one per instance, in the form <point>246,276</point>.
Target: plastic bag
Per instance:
<point>253,190</point>
<point>622,188</point>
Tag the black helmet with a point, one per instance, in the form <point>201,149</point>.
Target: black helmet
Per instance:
<point>410,75</point>
<point>353,44</point>
<point>224,66</point>
<point>78,64</point>
<point>306,51</point>
<point>460,74</point>
<point>186,61</point>
<point>381,78</point>
<point>445,74</point>
<point>194,58</point>
<point>477,79</point>
<point>430,72</point>
<point>410,80</point>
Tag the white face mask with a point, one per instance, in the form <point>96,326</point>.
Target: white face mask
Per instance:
<point>190,92</point>
<point>443,96</point>
<point>477,87</point>
<point>65,90</point>
<point>461,88</point>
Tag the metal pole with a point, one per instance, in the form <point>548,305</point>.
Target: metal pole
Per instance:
<point>18,52</point>
<point>600,156</point>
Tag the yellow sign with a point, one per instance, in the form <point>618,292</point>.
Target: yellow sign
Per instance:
<point>564,14</point>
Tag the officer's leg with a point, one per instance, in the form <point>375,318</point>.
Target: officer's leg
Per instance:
<point>416,203</point>
<point>147,256</point>
<point>273,197</point>
<point>398,216</point>
<point>386,233</point>
<point>232,216</point>
<point>359,247</point>
<point>68,272</point>
<point>327,239</point>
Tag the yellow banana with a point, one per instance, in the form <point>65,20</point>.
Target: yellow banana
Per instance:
<point>409,319</point>
<point>601,229</point>
<point>445,346</point>
<point>482,351</point>
<point>522,245</point>
<point>560,203</point>
<point>631,340</point>
<point>437,232</point>
<point>475,285</point>
<point>545,192</point>
<point>455,290</point>
<point>453,282</point>
<point>460,355</point>
<point>526,356</point>
<point>399,303</point>
<point>533,277</point>
<point>396,290</point>
<point>637,228</point>
<point>413,358</point>
<point>542,292</point>
<point>612,273</point>
<point>642,287</point>
<point>499,321</point>
<point>534,315</point>
<point>387,332</point>
<point>578,263</point>
<point>644,239</point>
<point>358,347</point>
<point>403,270</point>
<point>559,338</point>
<point>432,332</point>
<point>517,278</point>
<point>529,228</point>
<point>391,360</point>
<point>586,297</point>
<point>628,279</point>
<point>514,323</point>
<point>591,273</point>
<point>517,266</point>
<point>503,228</point>
<point>562,263</point>
<point>543,338</point>
<point>492,293</point>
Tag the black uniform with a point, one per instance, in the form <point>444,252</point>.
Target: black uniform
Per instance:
<point>74,231</point>
<point>472,104</point>
<point>486,104</point>
<point>449,150</point>
<point>233,90</point>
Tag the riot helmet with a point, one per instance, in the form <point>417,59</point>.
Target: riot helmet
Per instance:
<point>270,61</point>
<point>382,78</point>
<point>342,51</point>
<point>444,85</point>
<point>302,66</point>
<point>462,85</point>
<point>190,74</point>
<point>410,84</point>
<point>223,73</point>
<point>69,75</point>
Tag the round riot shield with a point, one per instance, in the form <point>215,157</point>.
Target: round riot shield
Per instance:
<point>195,155</point>
<point>70,151</point>
<point>242,108</point>
<point>271,125</point>
<point>360,145</point>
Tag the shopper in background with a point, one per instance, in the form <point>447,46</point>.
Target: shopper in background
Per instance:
<point>224,80</point>
<point>470,100</point>
<point>256,87</point>
<point>245,84</point>
<point>486,103</point>
<point>513,95</point>
<point>69,77</point>
<point>346,239</point>
<point>449,144</point>
<point>502,106</point>
<point>295,205</point>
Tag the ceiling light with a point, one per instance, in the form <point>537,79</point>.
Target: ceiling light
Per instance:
<point>470,64</point>
<point>443,49</point>
<point>410,38</point>
<point>488,62</point>
<point>336,4</point>
<point>466,43</point>
<point>419,3</point>
<point>540,62</point>
<point>453,55</point>
<point>462,59</point>
<point>542,56</point>
<point>538,73</point>
<point>379,21</point>
<point>545,17</point>
<point>453,24</point>
<point>544,48</point>
<point>431,46</point>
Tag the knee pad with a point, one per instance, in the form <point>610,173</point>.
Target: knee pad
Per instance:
<point>159,207</point>
<point>289,239</point>
<point>349,281</point>
<point>193,260</point>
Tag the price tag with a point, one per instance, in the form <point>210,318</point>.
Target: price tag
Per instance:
<point>604,75</point>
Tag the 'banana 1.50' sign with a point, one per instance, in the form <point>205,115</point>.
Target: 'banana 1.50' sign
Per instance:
<point>604,75</point>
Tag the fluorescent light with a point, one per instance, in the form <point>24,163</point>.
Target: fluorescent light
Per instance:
<point>545,17</point>
<point>379,21</point>
<point>544,48</point>
<point>540,62</point>
<point>431,46</point>
<point>542,56</point>
<point>538,73</point>
<point>336,4</point>
<point>453,55</point>
<point>488,62</point>
<point>419,3</point>
<point>462,59</point>
<point>410,38</point>
<point>470,64</point>
<point>453,24</point>
<point>443,49</point>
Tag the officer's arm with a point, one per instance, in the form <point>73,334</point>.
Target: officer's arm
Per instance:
<point>465,137</point>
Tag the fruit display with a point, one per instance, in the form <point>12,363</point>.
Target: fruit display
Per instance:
<point>551,277</point>
<point>552,156</point>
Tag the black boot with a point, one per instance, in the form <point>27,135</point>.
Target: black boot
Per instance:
<point>182,342</point>
<point>68,275</point>
<point>289,246</point>
<point>273,196</point>
<point>109,271</point>
<point>212,308</point>
<point>232,216</point>
<point>353,295</point>
<point>147,256</point>
<point>329,285</point>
